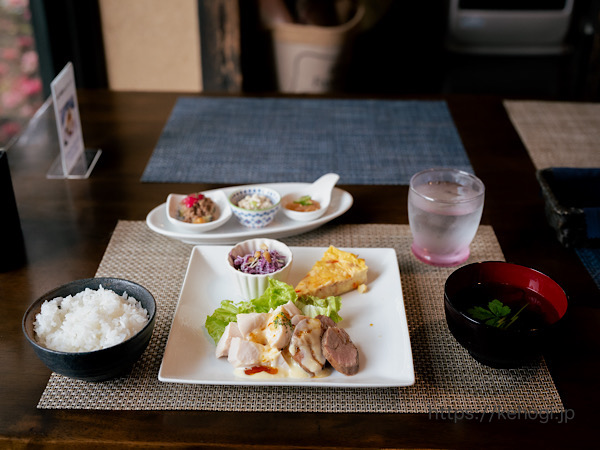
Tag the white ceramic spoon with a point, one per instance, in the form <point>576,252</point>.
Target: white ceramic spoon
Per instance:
<point>319,191</point>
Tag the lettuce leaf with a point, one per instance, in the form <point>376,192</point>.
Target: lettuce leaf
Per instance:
<point>215,324</point>
<point>313,306</point>
<point>278,293</point>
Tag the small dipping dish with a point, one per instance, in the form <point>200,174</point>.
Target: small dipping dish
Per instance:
<point>319,191</point>
<point>253,285</point>
<point>218,197</point>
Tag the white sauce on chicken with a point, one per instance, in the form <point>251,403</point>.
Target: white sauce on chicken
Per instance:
<point>305,346</point>
<point>292,370</point>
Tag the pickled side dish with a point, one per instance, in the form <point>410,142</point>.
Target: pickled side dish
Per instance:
<point>303,204</point>
<point>197,208</point>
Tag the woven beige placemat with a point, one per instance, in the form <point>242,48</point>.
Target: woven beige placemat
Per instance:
<point>558,134</point>
<point>447,378</point>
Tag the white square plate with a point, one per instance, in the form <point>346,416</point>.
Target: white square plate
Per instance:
<point>375,321</point>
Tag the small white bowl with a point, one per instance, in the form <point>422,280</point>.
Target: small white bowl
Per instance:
<point>224,213</point>
<point>319,191</point>
<point>255,218</point>
<point>251,285</point>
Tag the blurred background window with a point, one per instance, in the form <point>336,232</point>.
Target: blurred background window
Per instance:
<point>21,92</point>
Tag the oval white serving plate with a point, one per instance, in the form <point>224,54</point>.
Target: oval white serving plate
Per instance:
<point>233,232</point>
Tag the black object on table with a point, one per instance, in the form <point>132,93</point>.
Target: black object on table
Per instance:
<point>12,254</point>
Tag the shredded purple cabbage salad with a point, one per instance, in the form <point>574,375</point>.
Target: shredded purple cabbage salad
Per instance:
<point>260,262</point>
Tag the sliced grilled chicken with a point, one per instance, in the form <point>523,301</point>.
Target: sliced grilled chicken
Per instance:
<point>252,326</point>
<point>244,353</point>
<point>305,346</point>
<point>231,331</point>
<point>279,329</point>
<point>291,309</point>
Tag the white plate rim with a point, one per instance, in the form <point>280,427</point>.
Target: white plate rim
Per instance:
<point>283,226</point>
<point>396,370</point>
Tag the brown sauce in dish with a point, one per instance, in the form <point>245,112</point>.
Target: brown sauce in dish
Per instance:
<point>303,204</point>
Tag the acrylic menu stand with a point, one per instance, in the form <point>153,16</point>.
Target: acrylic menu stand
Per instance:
<point>42,127</point>
<point>74,161</point>
<point>82,169</point>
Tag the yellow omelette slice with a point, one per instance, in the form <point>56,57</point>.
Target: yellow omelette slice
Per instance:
<point>336,273</point>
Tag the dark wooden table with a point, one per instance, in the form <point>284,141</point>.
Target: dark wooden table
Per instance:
<point>68,223</point>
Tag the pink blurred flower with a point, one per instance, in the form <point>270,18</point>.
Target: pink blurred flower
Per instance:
<point>25,41</point>
<point>12,99</point>
<point>30,86</point>
<point>10,129</point>
<point>20,86</point>
<point>29,62</point>
<point>16,5</point>
<point>10,54</point>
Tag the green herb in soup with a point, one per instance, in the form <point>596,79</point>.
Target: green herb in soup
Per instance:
<point>503,306</point>
<point>497,314</point>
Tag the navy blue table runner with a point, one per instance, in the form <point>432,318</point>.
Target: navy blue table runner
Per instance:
<point>259,140</point>
<point>590,257</point>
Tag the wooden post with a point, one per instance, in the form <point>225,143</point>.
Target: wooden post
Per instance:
<point>220,44</point>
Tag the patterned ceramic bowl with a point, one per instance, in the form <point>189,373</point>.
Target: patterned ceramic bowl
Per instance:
<point>253,285</point>
<point>255,218</point>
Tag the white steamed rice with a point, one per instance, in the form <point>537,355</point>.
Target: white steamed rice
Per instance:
<point>90,320</point>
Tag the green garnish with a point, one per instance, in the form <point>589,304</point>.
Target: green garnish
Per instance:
<point>305,200</point>
<point>281,320</point>
<point>496,315</point>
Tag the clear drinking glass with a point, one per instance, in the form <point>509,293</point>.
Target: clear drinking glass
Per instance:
<point>444,210</point>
